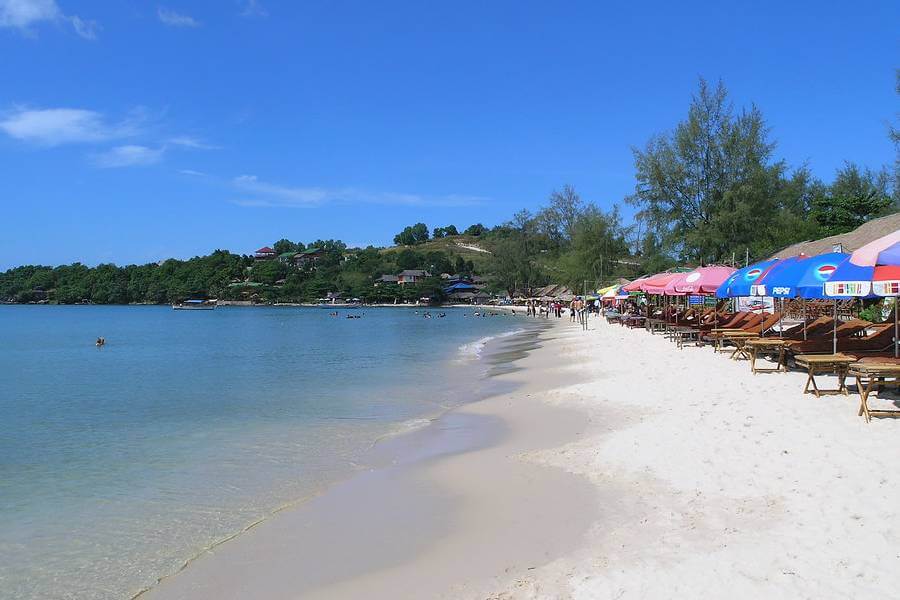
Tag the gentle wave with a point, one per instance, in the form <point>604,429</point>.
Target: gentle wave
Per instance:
<point>473,350</point>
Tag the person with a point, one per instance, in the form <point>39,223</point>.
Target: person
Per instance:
<point>101,342</point>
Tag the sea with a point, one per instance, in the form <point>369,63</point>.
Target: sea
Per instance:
<point>120,464</point>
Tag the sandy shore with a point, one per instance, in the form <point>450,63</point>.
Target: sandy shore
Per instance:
<point>620,467</point>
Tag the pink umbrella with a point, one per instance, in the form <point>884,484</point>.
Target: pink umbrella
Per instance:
<point>657,284</point>
<point>703,280</point>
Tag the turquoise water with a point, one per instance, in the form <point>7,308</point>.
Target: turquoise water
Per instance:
<point>119,464</point>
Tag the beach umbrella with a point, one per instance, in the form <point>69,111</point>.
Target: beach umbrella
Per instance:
<point>801,277</point>
<point>872,269</point>
<point>635,286</point>
<point>657,284</point>
<point>703,280</point>
<point>738,284</point>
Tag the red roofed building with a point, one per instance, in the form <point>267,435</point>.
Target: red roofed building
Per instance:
<point>264,253</point>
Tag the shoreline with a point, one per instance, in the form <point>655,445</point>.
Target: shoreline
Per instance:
<point>625,469</point>
<point>426,471</point>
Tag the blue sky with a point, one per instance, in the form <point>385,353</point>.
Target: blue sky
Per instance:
<point>132,131</point>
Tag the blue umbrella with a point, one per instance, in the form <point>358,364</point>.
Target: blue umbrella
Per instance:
<point>799,276</point>
<point>740,281</point>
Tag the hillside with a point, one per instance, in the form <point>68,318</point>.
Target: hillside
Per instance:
<point>469,247</point>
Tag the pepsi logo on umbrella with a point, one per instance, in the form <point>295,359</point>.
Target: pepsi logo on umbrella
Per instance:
<point>825,271</point>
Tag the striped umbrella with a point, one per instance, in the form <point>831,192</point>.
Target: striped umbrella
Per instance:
<point>873,269</point>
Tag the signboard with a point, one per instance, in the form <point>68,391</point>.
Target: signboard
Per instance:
<point>693,300</point>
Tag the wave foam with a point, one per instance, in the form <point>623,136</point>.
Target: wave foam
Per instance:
<point>473,350</point>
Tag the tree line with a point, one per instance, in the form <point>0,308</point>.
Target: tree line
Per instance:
<point>709,190</point>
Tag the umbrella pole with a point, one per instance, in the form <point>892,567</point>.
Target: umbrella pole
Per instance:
<point>834,331</point>
<point>781,320</point>
<point>803,300</point>
<point>895,327</point>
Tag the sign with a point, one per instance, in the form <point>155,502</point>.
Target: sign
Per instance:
<point>692,300</point>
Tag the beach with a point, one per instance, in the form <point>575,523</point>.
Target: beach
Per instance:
<point>617,467</point>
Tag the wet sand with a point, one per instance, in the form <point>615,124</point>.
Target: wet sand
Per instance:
<point>448,510</point>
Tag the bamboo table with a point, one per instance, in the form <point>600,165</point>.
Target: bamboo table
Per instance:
<point>767,345</point>
<point>718,336</point>
<point>816,364</point>
<point>871,377</point>
<point>740,341</point>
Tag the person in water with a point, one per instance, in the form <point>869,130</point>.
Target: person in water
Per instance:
<point>100,342</point>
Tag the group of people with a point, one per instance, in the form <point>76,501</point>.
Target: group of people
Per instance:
<point>578,308</point>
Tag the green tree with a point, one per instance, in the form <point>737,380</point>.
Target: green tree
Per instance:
<point>283,245</point>
<point>683,177</point>
<point>856,196</point>
<point>474,230</point>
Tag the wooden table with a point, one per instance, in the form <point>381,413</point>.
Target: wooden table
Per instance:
<point>767,345</point>
<point>740,340</point>
<point>871,377</point>
<point>654,325</point>
<point>633,321</point>
<point>817,364</point>
<point>718,335</point>
<point>684,334</point>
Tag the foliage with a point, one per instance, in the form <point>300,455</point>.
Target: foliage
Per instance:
<point>414,234</point>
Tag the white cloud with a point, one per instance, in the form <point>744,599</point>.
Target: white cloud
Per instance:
<point>85,28</point>
<point>55,126</point>
<point>191,142</point>
<point>24,14</point>
<point>130,155</point>
<point>252,8</point>
<point>175,19</point>
<point>192,173</point>
<point>257,193</point>
<point>21,14</point>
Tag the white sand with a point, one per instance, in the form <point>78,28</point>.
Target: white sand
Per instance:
<point>709,482</point>
<point>733,485</point>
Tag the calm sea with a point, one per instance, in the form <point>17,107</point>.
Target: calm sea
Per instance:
<point>119,464</point>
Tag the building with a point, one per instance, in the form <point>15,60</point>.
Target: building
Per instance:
<point>412,276</point>
<point>308,257</point>
<point>264,253</point>
<point>393,279</point>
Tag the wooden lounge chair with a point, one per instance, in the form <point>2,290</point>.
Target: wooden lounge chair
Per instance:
<point>879,339</point>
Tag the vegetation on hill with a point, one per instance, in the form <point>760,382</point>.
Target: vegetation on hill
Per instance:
<point>710,190</point>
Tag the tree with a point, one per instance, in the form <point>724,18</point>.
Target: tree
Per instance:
<point>557,221</point>
<point>450,230</point>
<point>474,230</point>
<point>683,177</point>
<point>598,241</point>
<point>854,197</point>
<point>283,245</point>
<point>409,259</point>
<point>513,258</point>
<point>414,234</point>
<point>438,233</point>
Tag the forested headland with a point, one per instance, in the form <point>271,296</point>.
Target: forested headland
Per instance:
<point>710,190</point>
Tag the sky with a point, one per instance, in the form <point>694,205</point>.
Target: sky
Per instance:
<point>134,131</point>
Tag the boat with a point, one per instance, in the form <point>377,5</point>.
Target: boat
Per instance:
<point>196,305</point>
<point>335,303</point>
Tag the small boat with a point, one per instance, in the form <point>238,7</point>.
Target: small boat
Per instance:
<point>195,305</point>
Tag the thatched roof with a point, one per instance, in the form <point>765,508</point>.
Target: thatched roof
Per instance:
<point>850,241</point>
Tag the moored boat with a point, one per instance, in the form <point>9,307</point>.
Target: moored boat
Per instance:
<point>195,305</point>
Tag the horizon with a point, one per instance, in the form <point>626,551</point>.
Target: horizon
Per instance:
<point>140,132</point>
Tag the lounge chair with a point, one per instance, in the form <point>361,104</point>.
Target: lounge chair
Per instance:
<point>879,340</point>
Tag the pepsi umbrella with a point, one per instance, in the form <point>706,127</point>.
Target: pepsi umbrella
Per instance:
<point>801,277</point>
<point>872,268</point>
<point>738,284</point>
